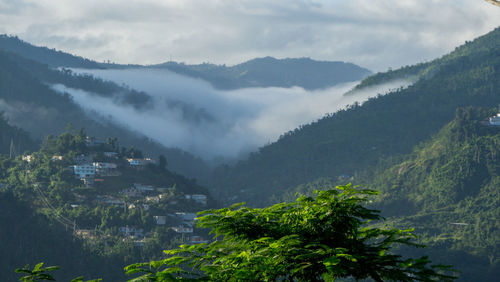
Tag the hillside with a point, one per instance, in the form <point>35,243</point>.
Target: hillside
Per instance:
<point>448,190</point>
<point>109,205</point>
<point>485,43</point>
<point>31,104</point>
<point>357,138</point>
<point>51,57</point>
<point>271,72</point>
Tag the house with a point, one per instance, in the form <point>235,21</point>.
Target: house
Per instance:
<point>160,219</point>
<point>182,229</point>
<point>57,158</point>
<point>132,192</point>
<point>186,217</point>
<point>198,198</point>
<point>139,162</point>
<point>495,120</point>
<point>94,141</point>
<point>83,159</point>
<point>144,188</point>
<point>111,154</point>
<point>153,199</point>
<point>109,200</point>
<point>84,170</point>
<point>28,158</point>
<point>106,169</point>
<point>85,234</point>
<point>131,231</point>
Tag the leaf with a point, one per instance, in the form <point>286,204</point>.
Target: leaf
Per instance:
<point>331,261</point>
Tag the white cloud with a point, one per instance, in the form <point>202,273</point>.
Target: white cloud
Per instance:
<point>230,122</point>
<point>372,33</point>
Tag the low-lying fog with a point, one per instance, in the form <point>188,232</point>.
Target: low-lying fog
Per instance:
<point>228,123</point>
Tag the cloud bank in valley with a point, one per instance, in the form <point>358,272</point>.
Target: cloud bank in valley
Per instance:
<point>232,122</point>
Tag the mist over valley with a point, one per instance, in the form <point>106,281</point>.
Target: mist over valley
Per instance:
<point>192,115</point>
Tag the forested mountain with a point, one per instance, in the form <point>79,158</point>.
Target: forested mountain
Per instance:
<point>31,104</point>
<point>271,72</point>
<point>355,139</point>
<point>44,55</point>
<point>260,72</point>
<point>447,189</point>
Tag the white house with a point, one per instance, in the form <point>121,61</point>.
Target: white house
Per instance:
<point>84,170</point>
<point>495,120</point>
<point>106,169</point>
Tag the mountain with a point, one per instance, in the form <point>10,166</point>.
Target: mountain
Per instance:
<point>260,72</point>
<point>50,57</point>
<point>357,138</point>
<point>271,72</point>
<point>447,189</point>
<point>30,103</point>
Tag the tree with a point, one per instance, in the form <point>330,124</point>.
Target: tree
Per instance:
<point>312,239</point>
<point>162,162</point>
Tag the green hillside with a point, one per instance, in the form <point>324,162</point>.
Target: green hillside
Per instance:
<point>448,189</point>
<point>83,223</point>
<point>357,138</point>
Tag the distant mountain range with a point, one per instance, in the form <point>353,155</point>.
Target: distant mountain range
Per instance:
<point>260,72</point>
<point>271,72</point>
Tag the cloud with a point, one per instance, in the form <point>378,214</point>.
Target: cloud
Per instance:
<point>190,114</point>
<point>372,33</point>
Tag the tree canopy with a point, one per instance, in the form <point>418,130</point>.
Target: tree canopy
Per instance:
<point>326,237</point>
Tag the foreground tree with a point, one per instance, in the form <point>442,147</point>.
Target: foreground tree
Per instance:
<point>312,239</point>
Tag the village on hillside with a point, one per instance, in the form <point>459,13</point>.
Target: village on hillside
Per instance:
<point>138,185</point>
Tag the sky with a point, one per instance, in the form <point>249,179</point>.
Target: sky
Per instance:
<point>377,34</point>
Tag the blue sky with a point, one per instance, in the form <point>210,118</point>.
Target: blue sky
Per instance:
<point>376,34</point>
